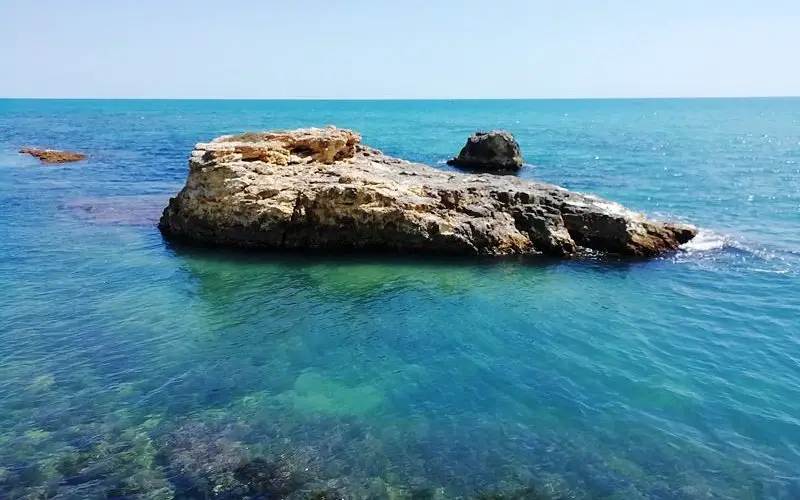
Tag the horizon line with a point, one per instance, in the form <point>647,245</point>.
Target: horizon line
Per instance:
<point>352,99</point>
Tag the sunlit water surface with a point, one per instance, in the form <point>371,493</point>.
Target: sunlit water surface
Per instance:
<point>132,369</point>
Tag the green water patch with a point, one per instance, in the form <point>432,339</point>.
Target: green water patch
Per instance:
<point>42,383</point>
<point>225,276</point>
<point>372,279</point>
<point>316,394</point>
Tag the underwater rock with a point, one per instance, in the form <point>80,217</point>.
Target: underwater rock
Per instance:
<point>206,461</point>
<point>315,394</point>
<point>495,151</point>
<point>52,156</point>
<point>202,461</point>
<point>118,210</point>
<point>324,495</point>
<point>116,466</point>
<point>320,189</point>
<point>518,494</point>
<point>269,479</point>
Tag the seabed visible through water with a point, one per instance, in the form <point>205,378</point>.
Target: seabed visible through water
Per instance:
<point>130,368</point>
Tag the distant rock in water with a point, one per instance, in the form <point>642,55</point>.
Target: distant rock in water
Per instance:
<point>53,155</point>
<point>495,151</point>
<point>321,189</point>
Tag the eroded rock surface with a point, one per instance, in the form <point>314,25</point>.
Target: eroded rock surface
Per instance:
<point>52,156</point>
<point>322,189</point>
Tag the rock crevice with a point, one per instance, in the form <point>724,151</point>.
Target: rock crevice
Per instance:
<point>321,189</point>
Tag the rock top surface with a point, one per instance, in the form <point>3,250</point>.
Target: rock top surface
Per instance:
<point>321,189</point>
<point>495,151</point>
<point>52,156</point>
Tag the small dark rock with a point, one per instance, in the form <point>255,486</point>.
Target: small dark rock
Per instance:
<point>495,151</point>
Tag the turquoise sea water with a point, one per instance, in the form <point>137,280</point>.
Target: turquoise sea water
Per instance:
<point>133,369</point>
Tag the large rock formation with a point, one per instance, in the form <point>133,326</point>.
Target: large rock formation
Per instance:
<point>495,151</point>
<point>321,189</point>
<point>53,155</point>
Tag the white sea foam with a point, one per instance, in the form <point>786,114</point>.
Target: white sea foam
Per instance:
<point>705,241</point>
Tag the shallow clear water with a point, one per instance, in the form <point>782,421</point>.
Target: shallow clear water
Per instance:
<point>132,369</point>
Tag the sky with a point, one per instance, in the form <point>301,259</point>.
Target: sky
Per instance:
<point>351,49</point>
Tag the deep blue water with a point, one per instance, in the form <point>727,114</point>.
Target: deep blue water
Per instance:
<point>132,369</point>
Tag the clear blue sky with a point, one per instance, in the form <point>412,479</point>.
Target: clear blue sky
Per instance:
<point>398,49</point>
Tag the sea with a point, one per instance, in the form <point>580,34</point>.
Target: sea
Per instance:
<point>131,368</point>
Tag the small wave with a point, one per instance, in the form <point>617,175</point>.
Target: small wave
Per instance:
<point>705,241</point>
<point>726,250</point>
<point>770,271</point>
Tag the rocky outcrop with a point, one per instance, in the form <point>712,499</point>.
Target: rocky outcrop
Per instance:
<point>321,189</point>
<point>495,151</point>
<point>52,156</point>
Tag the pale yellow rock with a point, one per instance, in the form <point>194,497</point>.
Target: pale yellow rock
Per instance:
<point>320,189</point>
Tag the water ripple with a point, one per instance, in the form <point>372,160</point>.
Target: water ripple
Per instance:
<point>127,362</point>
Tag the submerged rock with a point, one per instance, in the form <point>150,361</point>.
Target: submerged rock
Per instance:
<point>52,156</point>
<point>495,151</point>
<point>268,479</point>
<point>320,189</point>
<point>118,210</point>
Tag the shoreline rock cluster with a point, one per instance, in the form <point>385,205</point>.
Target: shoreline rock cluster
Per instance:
<point>321,189</point>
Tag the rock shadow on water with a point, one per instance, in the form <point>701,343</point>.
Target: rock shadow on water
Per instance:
<point>359,275</point>
<point>299,257</point>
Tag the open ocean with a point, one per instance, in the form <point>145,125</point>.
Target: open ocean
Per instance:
<point>132,369</point>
